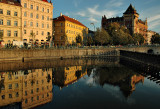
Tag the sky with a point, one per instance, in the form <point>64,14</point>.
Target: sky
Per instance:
<point>91,11</point>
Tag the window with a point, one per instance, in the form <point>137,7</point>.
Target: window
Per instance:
<point>31,15</point>
<point>42,81</point>
<point>25,23</point>
<point>3,97</point>
<point>8,32</point>
<point>15,13</point>
<point>31,6</point>
<point>25,5</point>
<point>15,33</point>
<point>42,9</point>
<point>15,23</point>
<point>61,24</point>
<point>17,94</point>
<point>8,22</point>
<point>36,24</point>
<point>1,11</point>
<point>26,101</point>
<point>25,14</point>
<point>32,99</point>
<point>25,93</point>
<point>42,17</point>
<point>61,31</point>
<point>37,89</point>
<point>48,18</point>
<point>42,33</point>
<point>8,12</point>
<point>25,32</point>
<point>37,16</point>
<point>42,25</point>
<point>10,95</point>
<point>37,97</point>
<point>16,85</point>
<point>1,21</point>
<point>37,32</point>
<point>47,10</point>
<point>10,86</point>
<point>37,8</point>
<point>2,35</point>
<point>32,91</point>
<point>31,24</point>
<point>47,25</point>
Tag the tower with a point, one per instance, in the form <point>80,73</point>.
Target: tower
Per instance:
<point>131,19</point>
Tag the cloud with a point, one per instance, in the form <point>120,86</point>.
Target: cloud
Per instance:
<point>156,17</point>
<point>82,14</point>
<point>114,3</point>
<point>154,24</point>
<point>92,19</point>
<point>76,3</point>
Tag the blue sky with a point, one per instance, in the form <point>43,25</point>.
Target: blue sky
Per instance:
<point>88,11</point>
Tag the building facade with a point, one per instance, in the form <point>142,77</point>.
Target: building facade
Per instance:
<point>36,19</point>
<point>66,29</point>
<point>131,20</point>
<point>10,20</point>
<point>29,88</point>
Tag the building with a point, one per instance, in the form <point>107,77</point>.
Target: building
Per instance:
<point>131,20</point>
<point>29,88</point>
<point>66,29</point>
<point>68,75</point>
<point>11,87</point>
<point>36,19</point>
<point>150,34</point>
<point>10,20</point>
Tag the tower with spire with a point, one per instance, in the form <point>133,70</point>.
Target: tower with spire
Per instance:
<point>130,19</point>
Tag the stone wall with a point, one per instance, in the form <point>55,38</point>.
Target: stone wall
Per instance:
<point>19,54</point>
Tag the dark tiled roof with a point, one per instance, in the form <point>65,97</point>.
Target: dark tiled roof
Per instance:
<point>12,2</point>
<point>45,1</point>
<point>130,10</point>
<point>115,19</point>
<point>63,18</point>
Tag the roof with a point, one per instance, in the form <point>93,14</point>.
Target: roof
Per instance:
<point>130,10</point>
<point>12,2</point>
<point>45,1</point>
<point>64,18</point>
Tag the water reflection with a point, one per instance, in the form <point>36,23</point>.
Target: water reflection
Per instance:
<point>29,88</point>
<point>24,88</point>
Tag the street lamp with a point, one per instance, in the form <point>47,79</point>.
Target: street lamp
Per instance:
<point>93,25</point>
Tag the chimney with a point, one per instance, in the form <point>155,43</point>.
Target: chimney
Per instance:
<point>61,14</point>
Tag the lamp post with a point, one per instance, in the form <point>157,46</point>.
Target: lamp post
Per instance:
<point>93,25</point>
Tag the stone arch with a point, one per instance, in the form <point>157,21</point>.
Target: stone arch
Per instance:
<point>150,51</point>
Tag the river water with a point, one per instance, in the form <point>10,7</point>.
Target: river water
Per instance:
<point>78,84</point>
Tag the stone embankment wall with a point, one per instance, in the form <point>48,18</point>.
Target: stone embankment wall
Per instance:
<point>19,54</point>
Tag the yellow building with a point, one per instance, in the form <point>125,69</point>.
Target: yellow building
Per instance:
<point>10,20</point>
<point>66,29</point>
<point>11,87</point>
<point>29,88</point>
<point>36,19</point>
<point>37,88</point>
<point>68,75</point>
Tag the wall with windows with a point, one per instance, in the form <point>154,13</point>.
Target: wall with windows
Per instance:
<point>10,22</point>
<point>36,18</point>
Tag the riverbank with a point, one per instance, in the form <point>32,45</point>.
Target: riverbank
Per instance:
<point>38,54</point>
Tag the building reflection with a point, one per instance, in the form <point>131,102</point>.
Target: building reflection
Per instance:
<point>119,76</point>
<point>28,89</point>
<point>63,76</point>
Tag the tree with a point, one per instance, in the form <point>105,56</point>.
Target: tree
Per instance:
<point>138,39</point>
<point>79,39</point>
<point>85,36</point>
<point>119,35</point>
<point>89,40</point>
<point>32,34</point>
<point>155,39</point>
<point>101,36</point>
